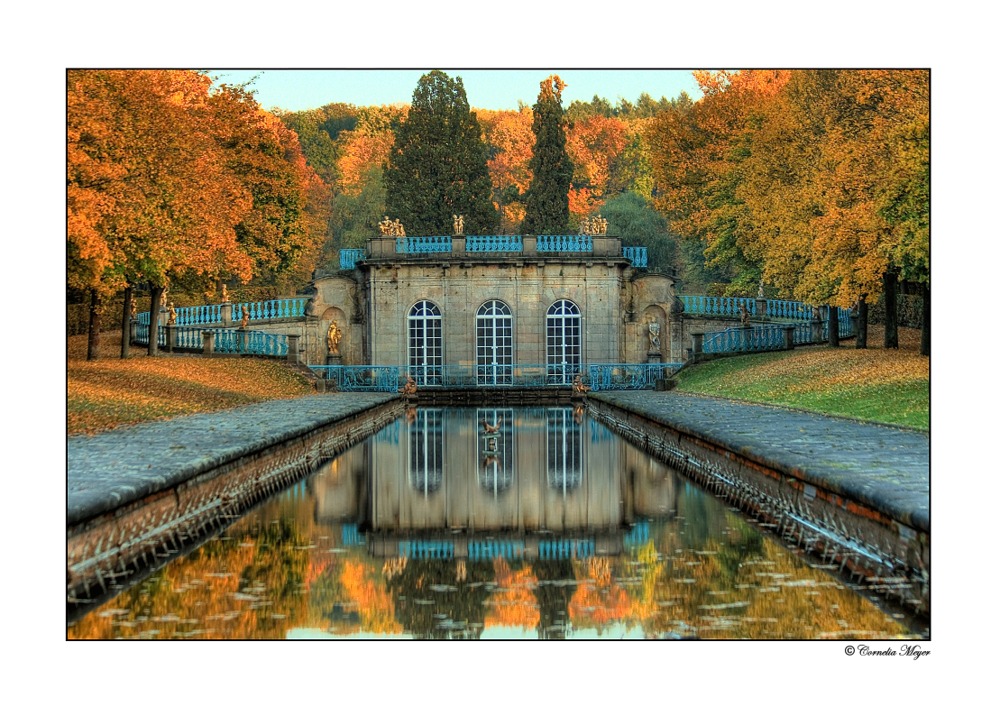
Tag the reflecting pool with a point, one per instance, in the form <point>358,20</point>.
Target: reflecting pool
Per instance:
<point>493,523</point>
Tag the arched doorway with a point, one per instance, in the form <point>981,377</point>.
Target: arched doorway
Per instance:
<point>563,342</point>
<point>494,344</point>
<point>425,347</point>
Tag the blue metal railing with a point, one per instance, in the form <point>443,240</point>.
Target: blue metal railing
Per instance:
<point>360,378</point>
<point>565,242</point>
<point>626,376</point>
<point>390,378</point>
<point>494,243</point>
<point>350,257</point>
<point>639,256</point>
<point>423,245</point>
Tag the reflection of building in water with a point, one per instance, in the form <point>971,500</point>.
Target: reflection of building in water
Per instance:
<point>426,457</point>
<point>496,469</point>
<point>546,474</point>
<point>556,488</point>
<point>563,450</point>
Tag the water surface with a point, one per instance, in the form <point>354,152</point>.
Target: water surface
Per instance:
<point>551,527</point>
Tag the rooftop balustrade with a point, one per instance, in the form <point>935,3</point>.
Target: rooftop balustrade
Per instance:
<point>390,248</point>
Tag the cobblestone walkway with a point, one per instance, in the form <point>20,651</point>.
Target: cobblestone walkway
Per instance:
<point>108,470</point>
<point>885,467</point>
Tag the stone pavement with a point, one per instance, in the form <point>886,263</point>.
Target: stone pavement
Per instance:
<point>884,467</point>
<point>108,470</point>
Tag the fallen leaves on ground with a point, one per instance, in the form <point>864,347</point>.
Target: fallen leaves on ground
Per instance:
<point>110,392</point>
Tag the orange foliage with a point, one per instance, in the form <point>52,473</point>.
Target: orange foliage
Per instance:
<point>513,603</point>
<point>592,145</point>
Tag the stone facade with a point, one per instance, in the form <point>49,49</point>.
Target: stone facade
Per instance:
<point>616,302</point>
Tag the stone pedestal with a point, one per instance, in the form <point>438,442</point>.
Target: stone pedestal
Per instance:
<point>227,314</point>
<point>207,342</point>
<point>332,359</point>
<point>761,308</point>
<point>293,348</point>
<point>789,337</point>
<point>654,356</point>
<point>697,342</point>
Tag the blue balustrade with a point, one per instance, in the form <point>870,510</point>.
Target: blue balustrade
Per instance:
<point>491,549</point>
<point>565,548</point>
<point>269,310</point>
<point>629,376</point>
<point>427,549</point>
<point>565,242</point>
<point>188,338</point>
<point>788,310</point>
<point>745,340</point>
<point>423,245</point>
<point>494,243</point>
<point>639,256</point>
<point>350,535</point>
<point>717,305</point>
<point>350,257</point>
<point>360,378</point>
<point>199,315</point>
<point>638,535</point>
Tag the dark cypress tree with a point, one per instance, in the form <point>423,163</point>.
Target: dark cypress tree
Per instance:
<point>437,166</point>
<point>547,201</point>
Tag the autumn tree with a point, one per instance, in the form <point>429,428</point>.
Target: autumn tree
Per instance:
<point>697,159</point>
<point>547,201</point>
<point>437,166</point>
<point>149,198</point>
<point>592,144</point>
<point>509,141</point>
<point>170,183</point>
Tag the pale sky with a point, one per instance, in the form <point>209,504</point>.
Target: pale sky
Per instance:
<point>301,89</point>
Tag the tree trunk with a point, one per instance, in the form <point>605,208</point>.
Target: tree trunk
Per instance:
<point>833,336</point>
<point>925,328</point>
<point>890,283</point>
<point>154,318</point>
<point>861,339</point>
<point>94,326</point>
<point>126,321</point>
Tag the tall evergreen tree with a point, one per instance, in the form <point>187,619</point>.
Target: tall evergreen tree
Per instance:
<point>437,167</point>
<point>547,203</point>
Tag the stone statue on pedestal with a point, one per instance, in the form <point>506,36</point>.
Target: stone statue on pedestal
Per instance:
<point>333,336</point>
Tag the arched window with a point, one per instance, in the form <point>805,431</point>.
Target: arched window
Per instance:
<point>425,347</point>
<point>563,342</point>
<point>494,344</point>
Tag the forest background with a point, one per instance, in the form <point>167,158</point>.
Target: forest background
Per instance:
<point>810,184</point>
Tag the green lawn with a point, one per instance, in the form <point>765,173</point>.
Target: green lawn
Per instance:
<point>887,386</point>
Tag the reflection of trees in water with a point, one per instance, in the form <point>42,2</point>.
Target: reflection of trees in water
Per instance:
<point>553,596</point>
<point>436,581</point>
<point>247,586</point>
